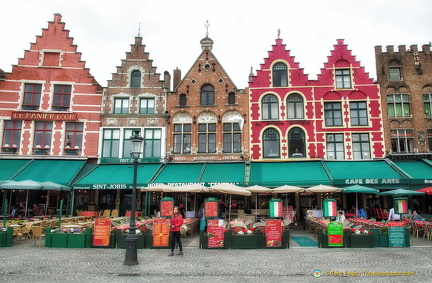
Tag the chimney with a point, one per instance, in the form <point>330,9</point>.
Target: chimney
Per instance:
<point>176,78</point>
<point>167,81</point>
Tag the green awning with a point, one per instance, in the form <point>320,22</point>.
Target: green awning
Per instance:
<point>215,173</point>
<point>116,176</point>
<point>419,171</point>
<point>10,167</point>
<point>57,171</point>
<point>178,174</point>
<point>367,173</point>
<point>275,174</point>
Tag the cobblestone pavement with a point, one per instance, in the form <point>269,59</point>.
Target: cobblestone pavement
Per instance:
<point>23,263</point>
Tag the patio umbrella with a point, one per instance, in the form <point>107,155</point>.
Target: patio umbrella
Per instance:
<point>48,185</point>
<point>401,192</point>
<point>322,189</point>
<point>359,189</point>
<point>190,188</point>
<point>157,188</point>
<point>230,189</point>
<point>427,190</point>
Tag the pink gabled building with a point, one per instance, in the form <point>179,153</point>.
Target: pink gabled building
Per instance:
<point>50,105</point>
<point>336,117</point>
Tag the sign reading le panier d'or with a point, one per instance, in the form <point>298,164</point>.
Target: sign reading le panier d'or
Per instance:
<point>102,231</point>
<point>58,116</point>
<point>335,234</point>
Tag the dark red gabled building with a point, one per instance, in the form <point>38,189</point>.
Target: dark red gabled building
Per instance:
<point>49,103</point>
<point>335,117</point>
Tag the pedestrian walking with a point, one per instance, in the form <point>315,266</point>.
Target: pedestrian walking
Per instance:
<point>175,223</point>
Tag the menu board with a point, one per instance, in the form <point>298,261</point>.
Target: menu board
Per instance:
<point>215,234</point>
<point>161,232</point>
<point>274,233</point>
<point>396,234</point>
<point>167,208</point>
<point>335,234</point>
<point>102,232</point>
<point>211,209</point>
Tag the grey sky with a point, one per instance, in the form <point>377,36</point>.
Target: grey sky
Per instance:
<point>242,30</point>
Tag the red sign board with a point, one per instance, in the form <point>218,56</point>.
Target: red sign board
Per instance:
<point>395,223</point>
<point>215,234</point>
<point>161,232</point>
<point>102,231</point>
<point>44,116</point>
<point>274,233</point>
<point>167,208</point>
<point>211,209</point>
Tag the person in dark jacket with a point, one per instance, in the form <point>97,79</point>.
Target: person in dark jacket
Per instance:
<point>175,223</point>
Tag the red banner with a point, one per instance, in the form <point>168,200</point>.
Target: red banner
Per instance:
<point>161,232</point>
<point>211,209</point>
<point>102,232</point>
<point>274,233</point>
<point>215,234</point>
<point>167,208</point>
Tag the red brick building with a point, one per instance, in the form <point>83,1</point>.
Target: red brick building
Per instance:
<point>405,80</point>
<point>134,100</point>
<point>207,112</point>
<point>335,117</point>
<point>49,103</point>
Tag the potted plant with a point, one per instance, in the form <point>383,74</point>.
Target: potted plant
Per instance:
<point>383,236</point>
<point>6,235</point>
<point>121,235</point>
<point>244,239</point>
<point>361,238</point>
<point>56,238</point>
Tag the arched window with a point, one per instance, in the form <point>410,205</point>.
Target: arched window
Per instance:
<point>280,75</point>
<point>135,79</point>
<point>182,100</point>
<point>296,143</point>
<point>231,98</point>
<point>207,95</point>
<point>270,107</point>
<point>295,106</point>
<point>271,147</point>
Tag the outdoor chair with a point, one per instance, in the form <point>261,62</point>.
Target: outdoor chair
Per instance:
<point>107,213</point>
<point>37,233</point>
<point>114,213</point>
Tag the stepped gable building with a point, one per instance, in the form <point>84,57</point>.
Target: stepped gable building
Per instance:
<point>405,79</point>
<point>207,112</point>
<point>135,99</point>
<point>49,103</point>
<point>335,117</point>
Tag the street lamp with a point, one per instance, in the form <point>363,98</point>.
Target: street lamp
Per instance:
<point>132,238</point>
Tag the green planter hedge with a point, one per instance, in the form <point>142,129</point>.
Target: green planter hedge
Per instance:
<point>67,240</point>
<point>362,241</point>
<point>245,241</point>
<point>6,237</point>
<point>323,239</point>
<point>122,244</point>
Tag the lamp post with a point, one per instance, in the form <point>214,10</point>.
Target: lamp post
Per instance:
<point>132,238</point>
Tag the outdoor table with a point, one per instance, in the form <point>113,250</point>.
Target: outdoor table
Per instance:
<point>233,222</point>
<point>349,215</point>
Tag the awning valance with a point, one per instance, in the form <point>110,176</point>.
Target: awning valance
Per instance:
<point>113,176</point>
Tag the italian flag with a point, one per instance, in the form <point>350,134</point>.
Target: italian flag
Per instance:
<point>276,207</point>
<point>330,208</point>
<point>402,206</point>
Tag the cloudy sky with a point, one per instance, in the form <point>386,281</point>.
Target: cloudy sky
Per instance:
<point>242,30</point>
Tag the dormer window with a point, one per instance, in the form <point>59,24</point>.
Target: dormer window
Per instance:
<point>280,75</point>
<point>343,78</point>
<point>135,79</point>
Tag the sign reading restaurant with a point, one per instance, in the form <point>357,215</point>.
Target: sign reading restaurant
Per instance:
<point>44,116</point>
